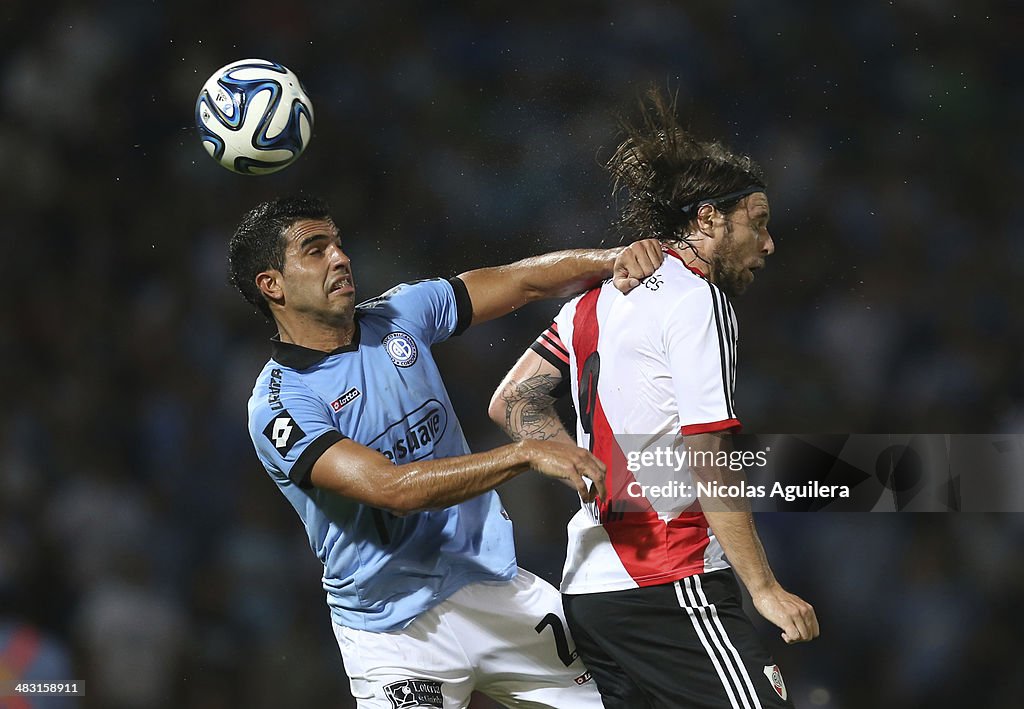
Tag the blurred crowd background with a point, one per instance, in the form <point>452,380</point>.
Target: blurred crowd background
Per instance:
<point>143,548</point>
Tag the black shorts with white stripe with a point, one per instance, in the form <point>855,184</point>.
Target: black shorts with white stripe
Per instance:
<point>680,645</point>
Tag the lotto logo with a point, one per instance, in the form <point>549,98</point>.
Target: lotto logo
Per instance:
<point>345,399</point>
<point>414,693</point>
<point>283,432</point>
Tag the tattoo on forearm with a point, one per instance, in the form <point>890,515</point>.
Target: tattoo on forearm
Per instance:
<point>529,409</point>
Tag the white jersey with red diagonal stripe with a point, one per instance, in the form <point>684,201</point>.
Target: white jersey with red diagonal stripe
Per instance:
<point>644,368</point>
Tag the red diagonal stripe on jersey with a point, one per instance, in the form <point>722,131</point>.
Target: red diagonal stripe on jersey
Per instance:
<point>634,529</point>
<point>584,342</point>
<point>650,550</point>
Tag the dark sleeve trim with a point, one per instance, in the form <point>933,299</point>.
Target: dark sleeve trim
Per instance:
<point>557,362</point>
<point>303,467</point>
<point>562,388</point>
<point>463,305</point>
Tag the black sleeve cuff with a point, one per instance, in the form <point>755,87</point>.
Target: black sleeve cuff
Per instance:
<point>557,363</point>
<point>463,305</point>
<point>303,467</point>
<point>562,388</point>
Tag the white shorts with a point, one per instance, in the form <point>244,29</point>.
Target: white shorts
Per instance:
<point>506,640</point>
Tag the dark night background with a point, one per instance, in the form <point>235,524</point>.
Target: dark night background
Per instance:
<point>140,535</point>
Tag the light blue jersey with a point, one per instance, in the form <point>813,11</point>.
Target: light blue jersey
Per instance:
<point>385,392</point>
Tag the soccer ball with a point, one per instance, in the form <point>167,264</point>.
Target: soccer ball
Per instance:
<point>254,116</point>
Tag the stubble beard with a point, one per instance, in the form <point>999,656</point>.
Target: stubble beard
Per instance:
<point>725,272</point>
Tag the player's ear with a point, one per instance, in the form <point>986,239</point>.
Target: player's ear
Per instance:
<point>269,283</point>
<point>705,220</point>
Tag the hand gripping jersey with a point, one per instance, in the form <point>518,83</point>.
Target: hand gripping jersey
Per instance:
<point>644,368</point>
<point>385,392</point>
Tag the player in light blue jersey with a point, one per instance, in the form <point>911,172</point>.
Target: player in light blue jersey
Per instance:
<point>352,421</point>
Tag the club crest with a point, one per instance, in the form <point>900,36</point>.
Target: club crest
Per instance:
<point>401,348</point>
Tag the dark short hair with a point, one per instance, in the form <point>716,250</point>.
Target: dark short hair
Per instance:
<point>661,173</point>
<point>258,244</point>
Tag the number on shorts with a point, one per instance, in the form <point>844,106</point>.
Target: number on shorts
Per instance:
<point>551,620</point>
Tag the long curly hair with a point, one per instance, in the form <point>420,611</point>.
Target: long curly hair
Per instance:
<point>661,173</point>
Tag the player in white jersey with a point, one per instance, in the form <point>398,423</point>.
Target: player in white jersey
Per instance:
<point>648,585</point>
<point>352,421</point>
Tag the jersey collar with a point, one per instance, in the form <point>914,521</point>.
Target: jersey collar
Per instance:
<point>672,252</point>
<point>299,357</point>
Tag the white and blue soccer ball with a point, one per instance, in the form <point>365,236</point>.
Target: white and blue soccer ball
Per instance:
<point>254,116</point>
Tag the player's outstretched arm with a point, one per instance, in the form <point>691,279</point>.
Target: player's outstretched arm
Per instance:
<point>731,521</point>
<point>362,474</point>
<point>523,404</point>
<point>499,290</point>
